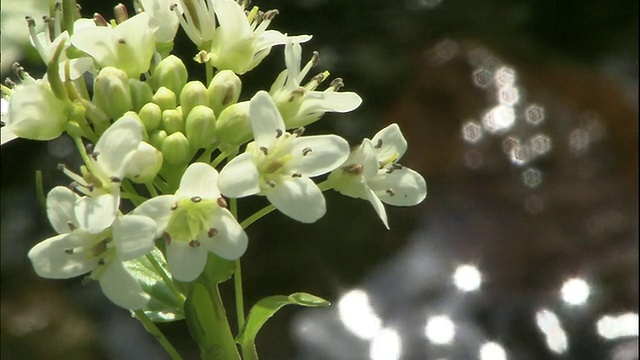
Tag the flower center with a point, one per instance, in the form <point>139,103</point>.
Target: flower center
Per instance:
<point>190,218</point>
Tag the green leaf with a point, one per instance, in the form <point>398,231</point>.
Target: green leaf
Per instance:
<point>217,270</point>
<point>264,309</point>
<point>164,305</point>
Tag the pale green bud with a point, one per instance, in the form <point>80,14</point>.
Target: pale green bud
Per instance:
<point>144,163</point>
<point>170,73</point>
<point>165,98</point>
<point>200,127</point>
<point>111,92</point>
<point>151,116</point>
<point>140,93</point>
<point>194,93</point>
<point>157,137</point>
<point>233,126</point>
<point>224,90</point>
<point>172,121</point>
<point>175,148</point>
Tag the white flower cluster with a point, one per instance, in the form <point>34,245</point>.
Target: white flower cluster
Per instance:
<point>140,123</point>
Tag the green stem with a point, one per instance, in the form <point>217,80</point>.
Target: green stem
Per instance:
<point>83,152</point>
<point>209,73</point>
<point>42,199</point>
<point>131,193</point>
<point>151,189</point>
<point>165,277</point>
<point>153,330</point>
<point>237,283</point>
<point>255,217</point>
<point>219,159</point>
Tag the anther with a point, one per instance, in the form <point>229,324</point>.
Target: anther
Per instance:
<point>196,199</point>
<point>269,15</point>
<point>89,148</point>
<point>353,169</point>
<point>212,232</point>
<point>194,243</point>
<point>115,179</point>
<point>337,84</point>
<point>378,145</point>
<point>101,262</point>
<point>173,6</point>
<point>396,166</point>
<point>305,151</point>
<point>61,167</point>
<point>279,133</point>
<point>174,206</point>
<point>299,131</point>
<point>71,225</point>
<point>221,202</point>
<point>318,78</point>
<point>299,92</point>
<point>68,251</point>
<point>30,21</point>
<point>264,150</point>
<point>271,183</point>
<point>315,59</point>
<point>296,175</point>
<point>166,237</point>
<point>390,192</point>
<point>100,20</point>
<point>390,170</point>
<point>73,185</point>
<point>94,155</point>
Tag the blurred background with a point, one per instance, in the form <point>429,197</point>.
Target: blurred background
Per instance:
<point>521,115</point>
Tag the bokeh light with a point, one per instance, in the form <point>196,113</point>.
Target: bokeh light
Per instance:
<point>440,330</point>
<point>575,291</point>
<point>492,351</point>
<point>555,336</point>
<point>467,278</point>
<point>386,345</point>
<point>357,315</point>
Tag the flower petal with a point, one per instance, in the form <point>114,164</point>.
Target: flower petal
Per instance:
<point>97,42</point>
<point>266,121</point>
<point>51,260</point>
<point>230,241</point>
<point>61,203</point>
<point>199,179</point>
<point>292,58</point>
<point>158,209</point>
<point>121,139</point>
<point>378,206</point>
<point>317,101</point>
<point>316,155</point>
<point>133,236</point>
<point>96,213</point>
<point>402,187</point>
<point>122,288</point>
<point>389,143</point>
<point>239,178</point>
<point>185,262</point>
<point>298,198</point>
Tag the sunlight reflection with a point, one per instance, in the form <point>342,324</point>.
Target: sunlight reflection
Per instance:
<point>357,315</point>
<point>472,132</point>
<point>575,291</point>
<point>440,329</point>
<point>505,77</point>
<point>492,351</point>
<point>532,177</point>
<point>499,118</point>
<point>386,345</point>
<point>555,335</point>
<point>613,327</point>
<point>534,114</point>
<point>467,278</point>
<point>540,144</point>
<point>508,96</point>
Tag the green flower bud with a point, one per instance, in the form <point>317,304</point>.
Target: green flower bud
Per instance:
<point>170,73</point>
<point>175,148</point>
<point>233,126</point>
<point>172,121</point>
<point>144,164</point>
<point>140,93</point>
<point>224,90</point>
<point>133,114</point>
<point>150,115</point>
<point>194,93</point>
<point>111,92</point>
<point>165,98</point>
<point>200,127</point>
<point>157,138</point>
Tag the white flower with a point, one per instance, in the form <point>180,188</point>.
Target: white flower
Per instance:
<point>77,251</point>
<point>161,19</point>
<point>194,222</point>
<point>34,112</point>
<point>197,19</point>
<point>302,105</point>
<point>372,172</point>
<point>127,46</point>
<point>101,180</point>
<point>242,41</point>
<point>278,164</point>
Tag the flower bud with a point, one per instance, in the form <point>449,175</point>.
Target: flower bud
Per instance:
<point>233,126</point>
<point>111,92</point>
<point>165,98</point>
<point>175,148</point>
<point>194,93</point>
<point>170,73</point>
<point>133,114</point>
<point>143,164</point>
<point>140,93</point>
<point>172,121</point>
<point>156,138</point>
<point>151,116</point>
<point>224,90</point>
<point>200,127</point>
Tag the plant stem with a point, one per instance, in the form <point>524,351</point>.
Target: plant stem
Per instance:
<point>255,217</point>
<point>163,274</point>
<point>153,330</point>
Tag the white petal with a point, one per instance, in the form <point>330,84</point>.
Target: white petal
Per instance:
<point>378,206</point>
<point>133,236</point>
<point>230,241</point>
<point>96,213</point>
<point>402,187</point>
<point>158,209</point>
<point>121,139</point>
<point>268,39</point>
<point>97,42</point>
<point>233,20</point>
<point>135,44</point>
<point>239,178</point>
<point>122,288</point>
<point>366,156</point>
<point>6,135</point>
<point>327,153</point>
<point>389,143</point>
<point>163,21</point>
<point>298,198</point>
<point>185,263</point>
<point>199,179</point>
<point>266,121</point>
<point>50,260</point>
<point>292,57</point>
<point>316,101</point>
<point>61,203</point>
